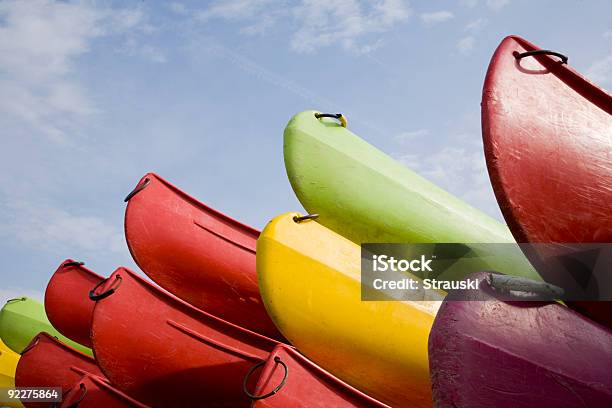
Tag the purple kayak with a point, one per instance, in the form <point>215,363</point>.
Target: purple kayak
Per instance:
<point>487,352</point>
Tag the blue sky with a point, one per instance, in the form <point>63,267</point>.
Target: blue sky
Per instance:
<point>95,94</point>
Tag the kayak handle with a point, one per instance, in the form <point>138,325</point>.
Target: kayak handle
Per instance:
<point>21,299</point>
<point>276,389</point>
<point>73,263</point>
<point>92,293</point>
<point>523,287</point>
<point>522,55</point>
<point>137,190</point>
<point>30,346</point>
<point>338,116</point>
<point>307,217</point>
<point>83,389</point>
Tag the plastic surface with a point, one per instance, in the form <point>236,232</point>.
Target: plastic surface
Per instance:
<point>164,352</point>
<point>47,362</point>
<point>366,196</point>
<point>67,303</point>
<point>21,319</point>
<point>547,135</point>
<point>94,392</point>
<point>196,253</point>
<point>485,352</point>
<point>8,365</point>
<point>310,282</point>
<point>307,385</point>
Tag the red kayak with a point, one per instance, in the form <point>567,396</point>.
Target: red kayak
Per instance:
<point>67,303</point>
<point>289,379</point>
<point>47,362</point>
<point>486,352</point>
<point>198,254</point>
<point>94,392</point>
<point>548,144</point>
<point>165,352</point>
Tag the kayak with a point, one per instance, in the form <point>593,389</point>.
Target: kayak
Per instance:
<point>196,253</point>
<point>309,278</point>
<point>8,365</point>
<point>162,351</point>
<point>21,319</point>
<point>486,352</point>
<point>67,303</point>
<point>342,178</point>
<point>547,135</point>
<point>92,391</point>
<point>288,379</point>
<point>47,362</point>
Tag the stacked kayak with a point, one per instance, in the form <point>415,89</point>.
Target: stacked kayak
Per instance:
<point>21,319</point>
<point>487,352</point>
<point>279,318</point>
<point>526,138</point>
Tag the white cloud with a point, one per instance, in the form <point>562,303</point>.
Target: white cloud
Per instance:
<point>318,23</point>
<point>600,71</point>
<point>607,34</point>
<point>476,25</point>
<point>178,8</point>
<point>436,17</point>
<point>56,230</point>
<point>497,5</point>
<point>469,3</point>
<point>466,44</point>
<point>412,135</point>
<point>39,43</point>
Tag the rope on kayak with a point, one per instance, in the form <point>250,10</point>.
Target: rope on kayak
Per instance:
<point>73,263</point>
<point>137,190</point>
<point>95,297</point>
<point>301,218</point>
<point>524,288</point>
<point>338,116</point>
<point>276,389</point>
<point>520,56</point>
<point>83,389</point>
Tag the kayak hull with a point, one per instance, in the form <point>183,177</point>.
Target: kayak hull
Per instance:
<point>485,352</point>
<point>47,362</point>
<point>94,392</point>
<point>67,304</point>
<point>186,246</point>
<point>21,319</point>
<point>310,282</point>
<point>547,135</point>
<point>341,177</point>
<point>303,384</point>
<point>172,354</point>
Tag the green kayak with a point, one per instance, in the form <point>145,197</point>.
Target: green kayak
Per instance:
<point>22,319</point>
<point>368,197</point>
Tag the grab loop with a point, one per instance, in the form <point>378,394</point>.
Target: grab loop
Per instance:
<point>20,299</point>
<point>83,389</point>
<point>73,263</point>
<point>299,218</point>
<point>137,190</point>
<point>526,288</point>
<point>276,389</point>
<point>338,116</point>
<point>522,55</point>
<point>107,292</point>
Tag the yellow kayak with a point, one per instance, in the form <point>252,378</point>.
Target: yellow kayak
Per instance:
<point>309,278</point>
<point>8,365</point>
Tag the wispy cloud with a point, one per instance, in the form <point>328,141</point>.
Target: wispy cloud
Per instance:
<point>466,44</point>
<point>412,135</point>
<point>600,71</point>
<point>317,24</point>
<point>436,17</point>
<point>477,24</point>
<point>40,41</point>
<point>497,5</point>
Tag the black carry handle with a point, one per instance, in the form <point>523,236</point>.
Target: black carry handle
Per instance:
<point>95,297</point>
<point>275,390</point>
<point>520,56</point>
